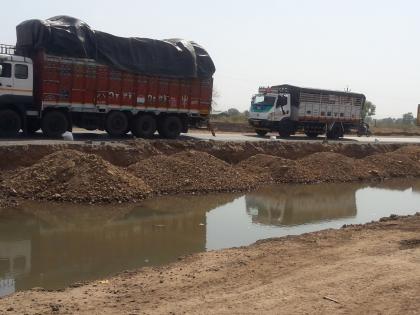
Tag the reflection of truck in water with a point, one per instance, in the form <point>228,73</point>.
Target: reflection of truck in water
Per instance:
<point>287,109</point>
<point>54,246</point>
<point>294,205</point>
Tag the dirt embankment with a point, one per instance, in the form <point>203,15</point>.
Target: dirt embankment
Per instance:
<point>141,169</point>
<point>370,269</point>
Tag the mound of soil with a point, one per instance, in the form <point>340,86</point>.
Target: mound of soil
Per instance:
<point>394,164</point>
<point>190,171</point>
<point>413,152</point>
<point>334,167</point>
<point>326,167</point>
<point>266,167</point>
<point>71,175</point>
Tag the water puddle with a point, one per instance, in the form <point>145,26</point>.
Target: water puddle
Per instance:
<point>52,246</point>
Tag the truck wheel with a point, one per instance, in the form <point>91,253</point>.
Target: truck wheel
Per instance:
<point>54,124</point>
<point>335,134</point>
<point>32,126</point>
<point>171,127</point>
<point>284,133</point>
<point>10,123</point>
<point>261,132</point>
<point>311,134</point>
<point>116,124</point>
<point>143,126</point>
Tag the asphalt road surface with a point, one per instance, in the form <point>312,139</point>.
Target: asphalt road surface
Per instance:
<point>82,136</point>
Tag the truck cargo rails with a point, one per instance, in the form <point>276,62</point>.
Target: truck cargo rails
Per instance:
<point>287,109</point>
<point>55,94</point>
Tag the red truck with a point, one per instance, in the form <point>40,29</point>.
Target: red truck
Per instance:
<point>54,93</point>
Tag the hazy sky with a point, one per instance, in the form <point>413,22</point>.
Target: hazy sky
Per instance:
<point>371,46</point>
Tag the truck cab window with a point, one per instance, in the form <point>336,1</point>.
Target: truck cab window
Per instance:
<point>21,71</point>
<point>281,101</point>
<point>6,70</point>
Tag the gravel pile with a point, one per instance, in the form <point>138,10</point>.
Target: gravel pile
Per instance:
<point>326,167</point>
<point>87,177</point>
<point>394,164</point>
<point>191,171</point>
<point>334,167</point>
<point>266,168</point>
<point>71,175</point>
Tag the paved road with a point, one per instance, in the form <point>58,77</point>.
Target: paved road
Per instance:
<point>81,136</point>
<point>251,137</point>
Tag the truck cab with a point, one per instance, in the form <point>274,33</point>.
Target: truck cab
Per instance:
<point>267,108</point>
<point>287,109</point>
<point>16,91</point>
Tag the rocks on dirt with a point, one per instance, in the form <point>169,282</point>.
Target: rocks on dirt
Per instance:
<point>190,171</point>
<point>335,167</point>
<point>70,175</point>
<point>142,169</point>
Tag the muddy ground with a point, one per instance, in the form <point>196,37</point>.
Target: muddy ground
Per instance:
<point>369,269</point>
<point>136,169</point>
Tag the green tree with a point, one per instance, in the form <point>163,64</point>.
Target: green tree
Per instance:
<point>215,98</point>
<point>408,119</point>
<point>233,112</point>
<point>368,110</point>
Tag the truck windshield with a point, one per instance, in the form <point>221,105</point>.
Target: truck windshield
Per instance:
<point>262,103</point>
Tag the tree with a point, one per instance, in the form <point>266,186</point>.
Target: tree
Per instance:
<point>408,119</point>
<point>369,110</point>
<point>233,112</point>
<point>215,97</point>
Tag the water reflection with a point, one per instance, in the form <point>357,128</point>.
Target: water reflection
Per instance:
<point>299,204</point>
<point>53,246</point>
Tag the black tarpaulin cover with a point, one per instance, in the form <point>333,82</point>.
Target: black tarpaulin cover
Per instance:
<point>69,37</point>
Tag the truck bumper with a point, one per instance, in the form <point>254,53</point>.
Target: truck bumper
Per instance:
<point>261,124</point>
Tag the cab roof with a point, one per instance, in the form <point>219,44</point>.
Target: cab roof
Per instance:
<point>14,58</point>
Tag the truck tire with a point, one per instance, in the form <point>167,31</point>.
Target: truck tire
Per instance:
<point>261,132</point>
<point>143,126</point>
<point>311,134</point>
<point>32,126</point>
<point>10,123</point>
<point>170,127</point>
<point>54,124</point>
<point>285,133</point>
<point>335,133</point>
<point>116,124</point>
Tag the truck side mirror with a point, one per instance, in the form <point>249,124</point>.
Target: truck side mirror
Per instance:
<point>1,70</point>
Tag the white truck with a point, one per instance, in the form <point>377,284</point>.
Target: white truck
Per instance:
<point>288,109</point>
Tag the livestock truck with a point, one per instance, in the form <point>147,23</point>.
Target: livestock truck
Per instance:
<point>288,109</point>
<point>55,80</point>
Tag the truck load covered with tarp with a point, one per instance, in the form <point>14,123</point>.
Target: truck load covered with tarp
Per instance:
<point>69,37</point>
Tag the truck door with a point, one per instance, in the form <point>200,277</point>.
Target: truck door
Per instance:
<point>22,79</point>
<point>6,80</point>
<point>282,107</point>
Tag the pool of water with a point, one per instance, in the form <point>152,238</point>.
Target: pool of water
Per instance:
<point>51,246</point>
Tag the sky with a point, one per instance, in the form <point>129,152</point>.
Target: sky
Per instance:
<point>371,46</point>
